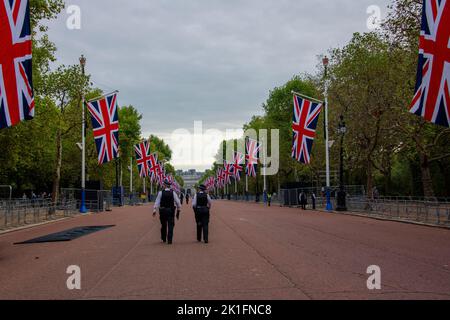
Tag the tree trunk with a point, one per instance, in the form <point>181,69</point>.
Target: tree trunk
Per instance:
<point>387,181</point>
<point>57,176</point>
<point>427,182</point>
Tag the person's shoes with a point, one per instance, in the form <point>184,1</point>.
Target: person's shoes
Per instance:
<point>169,242</point>
<point>206,241</point>
<point>199,240</point>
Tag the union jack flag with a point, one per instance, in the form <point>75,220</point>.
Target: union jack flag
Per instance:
<point>210,183</point>
<point>251,157</point>
<point>220,182</point>
<point>105,121</point>
<point>154,168</point>
<point>227,172</point>
<point>238,165</point>
<point>432,98</point>
<point>143,158</point>
<point>162,174</point>
<point>16,86</point>
<point>306,117</point>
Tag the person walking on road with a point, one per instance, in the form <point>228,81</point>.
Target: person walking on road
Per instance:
<point>167,202</point>
<point>269,199</point>
<point>313,199</point>
<point>181,197</point>
<point>202,206</point>
<point>303,200</point>
<point>187,198</point>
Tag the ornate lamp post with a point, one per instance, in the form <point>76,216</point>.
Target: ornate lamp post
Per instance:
<point>341,199</point>
<point>83,208</point>
<point>329,206</point>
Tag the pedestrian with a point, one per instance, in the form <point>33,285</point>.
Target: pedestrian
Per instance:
<point>375,193</point>
<point>269,199</point>
<point>181,197</point>
<point>187,198</point>
<point>313,199</point>
<point>202,206</point>
<point>167,201</point>
<point>303,200</point>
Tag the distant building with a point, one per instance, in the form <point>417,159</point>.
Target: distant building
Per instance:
<point>190,178</point>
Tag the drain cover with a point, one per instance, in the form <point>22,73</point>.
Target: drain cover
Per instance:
<point>67,235</point>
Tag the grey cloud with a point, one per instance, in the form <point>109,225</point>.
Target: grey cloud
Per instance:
<point>214,60</point>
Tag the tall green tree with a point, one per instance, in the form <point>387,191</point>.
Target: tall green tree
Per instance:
<point>64,86</point>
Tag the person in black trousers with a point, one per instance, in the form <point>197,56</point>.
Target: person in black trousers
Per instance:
<point>313,199</point>
<point>202,206</point>
<point>167,201</point>
<point>303,200</point>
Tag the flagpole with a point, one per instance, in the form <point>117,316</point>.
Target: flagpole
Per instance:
<point>246,183</point>
<point>264,170</point>
<point>327,144</point>
<point>151,188</point>
<point>83,209</point>
<point>307,97</point>
<point>145,188</point>
<point>265,177</point>
<point>131,177</point>
<point>105,95</point>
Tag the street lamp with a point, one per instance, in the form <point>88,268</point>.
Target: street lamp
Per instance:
<point>329,207</point>
<point>325,62</point>
<point>341,201</point>
<point>83,209</point>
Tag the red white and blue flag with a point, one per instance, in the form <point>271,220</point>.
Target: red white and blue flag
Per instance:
<point>105,122</point>
<point>227,173</point>
<point>220,182</point>
<point>432,98</point>
<point>238,165</point>
<point>210,183</point>
<point>142,151</point>
<point>251,157</point>
<point>162,174</point>
<point>306,117</point>
<point>16,86</point>
<point>154,168</point>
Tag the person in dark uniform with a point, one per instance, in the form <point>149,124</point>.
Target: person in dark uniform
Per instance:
<point>202,206</point>
<point>303,200</point>
<point>167,202</point>
<point>181,197</point>
<point>187,197</point>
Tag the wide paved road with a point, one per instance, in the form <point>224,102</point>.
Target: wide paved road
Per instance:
<point>254,253</point>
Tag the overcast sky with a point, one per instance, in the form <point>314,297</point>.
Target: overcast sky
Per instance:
<point>180,61</point>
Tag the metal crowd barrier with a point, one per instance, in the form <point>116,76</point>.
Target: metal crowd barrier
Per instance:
<point>428,212</point>
<point>17,212</point>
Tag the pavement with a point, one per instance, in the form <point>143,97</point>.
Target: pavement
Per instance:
<point>254,253</point>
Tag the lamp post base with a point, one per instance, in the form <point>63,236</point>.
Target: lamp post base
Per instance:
<point>83,209</point>
<point>329,205</point>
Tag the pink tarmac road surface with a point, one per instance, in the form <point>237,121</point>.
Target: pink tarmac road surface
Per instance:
<point>254,253</point>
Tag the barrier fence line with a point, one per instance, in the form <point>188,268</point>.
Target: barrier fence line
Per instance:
<point>18,212</point>
<point>430,211</point>
<point>433,211</point>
